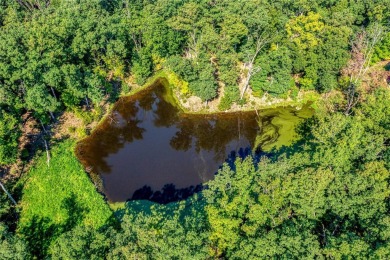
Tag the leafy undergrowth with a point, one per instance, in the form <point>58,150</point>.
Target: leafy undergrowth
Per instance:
<point>58,198</point>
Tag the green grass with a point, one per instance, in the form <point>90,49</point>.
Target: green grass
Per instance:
<point>58,198</point>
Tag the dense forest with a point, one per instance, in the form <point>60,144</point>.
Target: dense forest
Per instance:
<point>325,196</point>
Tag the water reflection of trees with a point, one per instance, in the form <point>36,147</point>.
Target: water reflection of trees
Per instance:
<point>169,193</point>
<point>216,133</point>
<point>223,136</point>
<point>211,133</point>
<point>119,128</point>
<point>165,114</point>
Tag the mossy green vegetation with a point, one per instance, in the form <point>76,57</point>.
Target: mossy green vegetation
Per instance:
<point>281,129</point>
<point>59,197</point>
<point>53,187</point>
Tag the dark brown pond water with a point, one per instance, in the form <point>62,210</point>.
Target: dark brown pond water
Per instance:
<point>148,149</point>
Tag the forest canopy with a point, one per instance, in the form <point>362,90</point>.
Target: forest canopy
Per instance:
<point>326,196</point>
<point>62,54</point>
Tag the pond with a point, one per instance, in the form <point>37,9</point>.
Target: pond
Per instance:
<point>147,148</point>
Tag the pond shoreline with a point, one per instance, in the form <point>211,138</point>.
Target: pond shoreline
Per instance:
<point>162,77</point>
<point>202,140</point>
<point>171,97</point>
<point>177,98</point>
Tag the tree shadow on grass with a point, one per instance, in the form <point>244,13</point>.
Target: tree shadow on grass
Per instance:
<point>39,233</point>
<point>76,212</point>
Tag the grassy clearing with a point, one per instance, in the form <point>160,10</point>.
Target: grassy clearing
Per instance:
<point>57,198</point>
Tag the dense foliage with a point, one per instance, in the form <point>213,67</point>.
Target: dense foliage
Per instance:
<point>11,246</point>
<point>326,196</point>
<point>62,54</point>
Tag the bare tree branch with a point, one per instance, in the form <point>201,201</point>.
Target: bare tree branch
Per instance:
<point>362,52</point>
<point>34,4</point>
<point>8,194</point>
<point>261,40</point>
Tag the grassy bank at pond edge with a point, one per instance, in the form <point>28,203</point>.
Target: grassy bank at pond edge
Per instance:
<point>60,196</point>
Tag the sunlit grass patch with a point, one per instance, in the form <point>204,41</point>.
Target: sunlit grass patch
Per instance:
<point>58,197</point>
